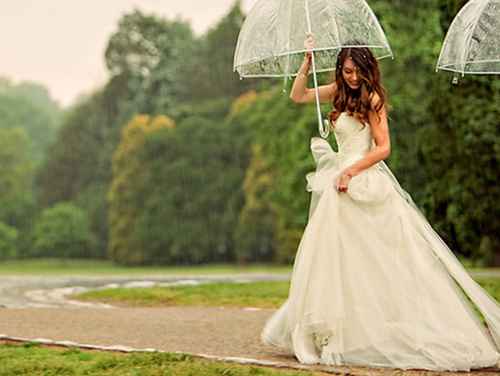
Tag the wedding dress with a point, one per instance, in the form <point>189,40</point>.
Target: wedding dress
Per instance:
<point>372,283</point>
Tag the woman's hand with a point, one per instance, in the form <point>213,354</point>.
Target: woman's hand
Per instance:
<point>343,181</point>
<point>309,45</point>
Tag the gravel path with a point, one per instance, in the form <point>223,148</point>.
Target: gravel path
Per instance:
<point>218,331</point>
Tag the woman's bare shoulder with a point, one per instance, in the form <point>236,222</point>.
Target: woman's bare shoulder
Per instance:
<point>334,87</point>
<point>375,102</point>
<point>374,98</point>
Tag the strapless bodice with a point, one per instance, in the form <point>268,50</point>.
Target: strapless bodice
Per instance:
<point>354,140</point>
<point>353,137</point>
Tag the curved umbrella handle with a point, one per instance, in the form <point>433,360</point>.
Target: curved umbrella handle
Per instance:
<point>322,131</point>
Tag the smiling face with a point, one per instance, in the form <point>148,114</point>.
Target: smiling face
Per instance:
<point>350,73</point>
<point>356,77</point>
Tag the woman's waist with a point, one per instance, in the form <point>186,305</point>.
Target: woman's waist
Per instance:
<point>326,157</point>
<point>346,157</point>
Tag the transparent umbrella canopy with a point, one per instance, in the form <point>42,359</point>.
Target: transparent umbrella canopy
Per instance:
<point>271,39</point>
<point>472,43</point>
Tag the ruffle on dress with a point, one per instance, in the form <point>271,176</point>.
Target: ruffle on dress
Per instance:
<point>371,186</point>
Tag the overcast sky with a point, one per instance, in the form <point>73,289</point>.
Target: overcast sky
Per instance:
<point>61,43</point>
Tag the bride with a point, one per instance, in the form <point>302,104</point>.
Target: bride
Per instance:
<point>372,283</point>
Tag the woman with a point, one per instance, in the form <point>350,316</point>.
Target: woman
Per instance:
<point>372,283</point>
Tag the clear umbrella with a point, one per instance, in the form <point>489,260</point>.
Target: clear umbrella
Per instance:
<point>472,44</point>
<point>271,40</point>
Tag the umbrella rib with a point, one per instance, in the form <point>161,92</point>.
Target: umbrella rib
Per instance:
<point>268,55</point>
<point>456,23</point>
<point>448,35</point>
<point>380,30</point>
<point>316,50</point>
<point>469,38</point>
<point>330,13</point>
<point>289,36</point>
<point>294,74</point>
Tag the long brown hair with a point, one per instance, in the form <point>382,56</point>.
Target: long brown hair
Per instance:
<point>357,102</point>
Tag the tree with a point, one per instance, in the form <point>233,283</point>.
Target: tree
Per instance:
<point>256,227</point>
<point>150,52</point>
<point>62,231</point>
<point>176,192</point>
<point>129,189</point>
<point>16,170</point>
<point>29,106</point>
<point>78,166</point>
<point>8,241</point>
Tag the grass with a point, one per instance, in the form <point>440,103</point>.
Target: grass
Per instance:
<point>107,268</point>
<point>34,359</point>
<point>269,294</point>
<point>254,294</point>
<point>64,267</point>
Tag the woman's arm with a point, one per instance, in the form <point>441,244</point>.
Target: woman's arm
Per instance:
<point>300,93</point>
<point>382,150</point>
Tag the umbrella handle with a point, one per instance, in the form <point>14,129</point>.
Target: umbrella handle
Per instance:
<point>322,131</point>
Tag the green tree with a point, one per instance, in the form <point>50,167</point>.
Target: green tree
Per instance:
<point>460,148</point>
<point>78,165</point>
<point>129,189</point>
<point>256,227</point>
<point>16,170</point>
<point>62,231</point>
<point>176,193</point>
<point>210,70</point>
<point>8,241</point>
<point>150,52</point>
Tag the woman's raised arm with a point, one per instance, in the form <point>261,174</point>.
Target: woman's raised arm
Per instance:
<point>300,93</point>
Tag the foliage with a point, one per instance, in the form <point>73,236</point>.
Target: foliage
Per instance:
<point>62,231</point>
<point>149,51</point>
<point>460,148</point>
<point>8,241</point>
<point>275,198</point>
<point>16,170</point>
<point>29,106</point>
<point>236,161</point>
<point>154,69</point>
<point>256,224</point>
<point>169,202</point>
<point>129,188</point>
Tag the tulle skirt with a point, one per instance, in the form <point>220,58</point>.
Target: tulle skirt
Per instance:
<point>374,285</point>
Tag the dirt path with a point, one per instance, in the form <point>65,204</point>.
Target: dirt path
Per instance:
<point>217,331</point>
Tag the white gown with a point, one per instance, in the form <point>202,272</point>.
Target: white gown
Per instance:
<point>372,283</point>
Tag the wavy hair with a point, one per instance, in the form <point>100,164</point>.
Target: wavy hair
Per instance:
<point>357,102</point>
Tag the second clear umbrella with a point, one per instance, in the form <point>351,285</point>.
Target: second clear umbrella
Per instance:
<point>472,43</point>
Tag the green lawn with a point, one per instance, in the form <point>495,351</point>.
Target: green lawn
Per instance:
<point>96,267</point>
<point>254,294</point>
<point>103,267</point>
<point>33,359</point>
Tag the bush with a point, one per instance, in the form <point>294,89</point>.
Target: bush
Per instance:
<point>62,231</point>
<point>8,241</point>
